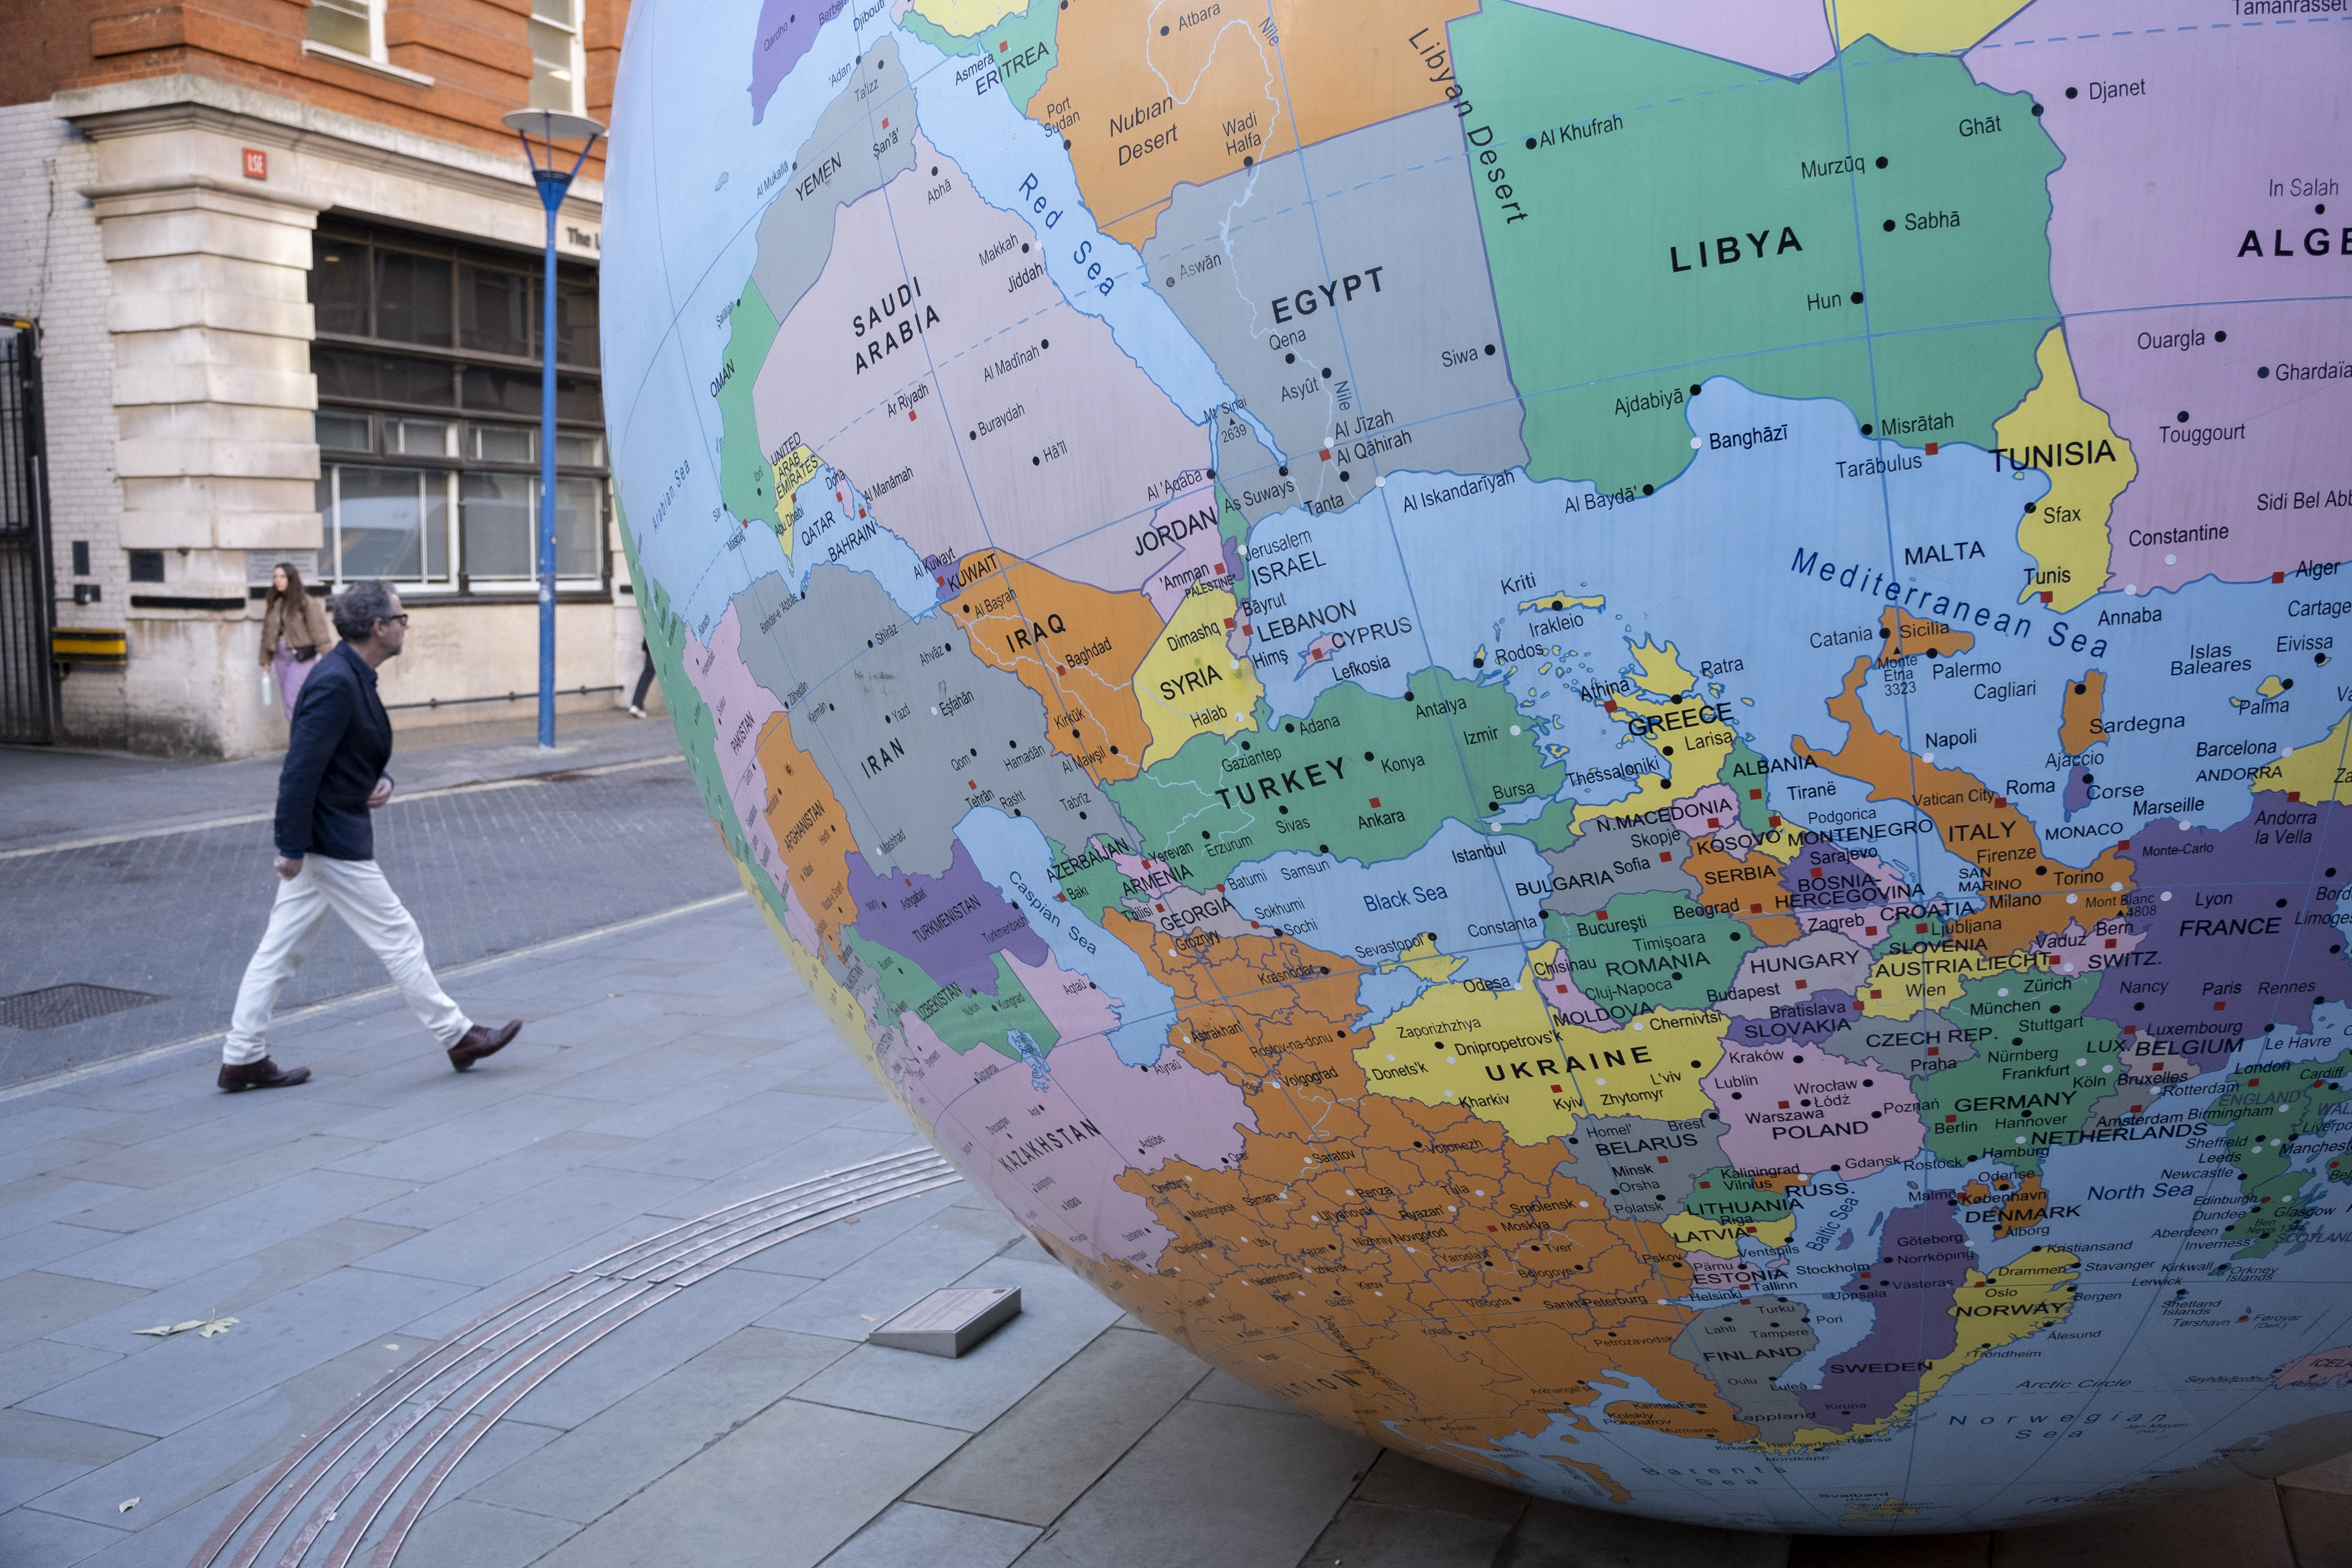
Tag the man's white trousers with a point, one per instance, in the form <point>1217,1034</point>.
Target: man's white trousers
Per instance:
<point>356,890</point>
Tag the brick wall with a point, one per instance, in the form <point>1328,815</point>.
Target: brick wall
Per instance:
<point>477,53</point>
<point>50,269</point>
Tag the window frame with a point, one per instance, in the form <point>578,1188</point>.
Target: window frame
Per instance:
<point>374,11</point>
<point>459,583</point>
<point>576,32</point>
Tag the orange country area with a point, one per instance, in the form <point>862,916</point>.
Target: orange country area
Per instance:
<point>2025,893</point>
<point>2079,728</point>
<point>1418,1277</point>
<point>1076,647</point>
<point>1740,887</point>
<point>2022,1200</point>
<point>1202,94</point>
<point>1906,635</point>
<point>811,831</point>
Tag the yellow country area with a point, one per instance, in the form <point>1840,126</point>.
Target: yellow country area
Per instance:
<point>1698,731</point>
<point>1190,683</point>
<point>1423,959</point>
<point>2033,1293</point>
<point>2089,465</point>
<point>965,18</point>
<point>1892,1508</point>
<point>1561,602</point>
<point>2313,773</point>
<point>1502,1056</point>
<point>793,469</point>
<point>1945,27</point>
<point>1901,984</point>
<point>1722,1239</point>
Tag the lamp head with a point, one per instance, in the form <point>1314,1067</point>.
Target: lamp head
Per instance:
<point>551,125</point>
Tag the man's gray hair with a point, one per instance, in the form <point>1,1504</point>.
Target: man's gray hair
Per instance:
<point>359,606</point>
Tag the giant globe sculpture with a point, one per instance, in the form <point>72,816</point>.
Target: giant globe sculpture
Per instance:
<point>1604,742</point>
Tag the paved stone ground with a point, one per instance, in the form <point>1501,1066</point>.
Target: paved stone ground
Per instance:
<point>494,848</point>
<point>667,1069</point>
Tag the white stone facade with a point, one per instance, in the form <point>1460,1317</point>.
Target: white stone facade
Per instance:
<point>172,289</point>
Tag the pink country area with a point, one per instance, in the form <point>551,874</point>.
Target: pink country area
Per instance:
<point>2176,151</point>
<point>1017,421</point>
<point>1092,1124</point>
<point>1075,1004</point>
<point>727,687</point>
<point>1807,1111</point>
<point>2077,951</point>
<point>1176,909</point>
<point>2248,438</point>
<point>1181,547</point>
<point>2320,1369</point>
<point>1771,977</point>
<point>1712,810</point>
<point>1788,38</point>
<point>1566,998</point>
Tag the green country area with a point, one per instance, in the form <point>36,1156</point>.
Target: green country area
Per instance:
<point>1727,1198</point>
<point>1655,949</point>
<point>2267,1109</point>
<point>747,483</point>
<point>1361,778</point>
<point>962,1018</point>
<point>1090,880</point>
<point>1746,772</point>
<point>1655,217</point>
<point>1014,38</point>
<point>2034,1083</point>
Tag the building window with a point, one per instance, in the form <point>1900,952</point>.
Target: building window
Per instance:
<point>558,66</point>
<point>427,360</point>
<point>355,27</point>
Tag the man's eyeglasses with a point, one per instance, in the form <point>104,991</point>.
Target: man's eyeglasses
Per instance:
<point>402,618</point>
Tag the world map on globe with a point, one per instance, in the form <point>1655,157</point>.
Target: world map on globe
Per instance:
<point>1602,737</point>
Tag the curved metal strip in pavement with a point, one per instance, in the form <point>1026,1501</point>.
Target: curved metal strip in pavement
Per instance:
<point>449,1397</point>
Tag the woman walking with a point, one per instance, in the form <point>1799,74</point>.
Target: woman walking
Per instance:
<point>293,634</point>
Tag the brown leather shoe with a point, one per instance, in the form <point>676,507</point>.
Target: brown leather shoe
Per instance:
<point>479,1042</point>
<point>263,1074</point>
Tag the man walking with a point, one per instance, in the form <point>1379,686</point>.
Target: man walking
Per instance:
<point>332,778</point>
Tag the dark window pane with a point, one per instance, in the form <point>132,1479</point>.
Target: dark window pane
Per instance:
<point>339,286</point>
<point>579,522</point>
<point>412,298</point>
<point>497,518</point>
<point>383,520</point>
<point>496,311</point>
<point>146,566</point>
<point>578,399</point>
<point>356,377</point>
<point>342,431</point>
<point>503,443</point>
<point>575,325</point>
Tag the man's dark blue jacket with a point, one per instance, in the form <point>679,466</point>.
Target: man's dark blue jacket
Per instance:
<point>341,739</point>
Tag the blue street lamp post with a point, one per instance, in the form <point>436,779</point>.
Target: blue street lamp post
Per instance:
<point>553,184</point>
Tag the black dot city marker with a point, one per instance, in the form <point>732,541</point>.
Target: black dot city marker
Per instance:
<point>2070,92</point>
<point>1327,373</point>
<point>1647,490</point>
<point>1164,32</point>
<point>1865,429</point>
<point>2262,371</point>
<point>2221,337</point>
<point>1882,162</point>
<point>1248,160</point>
<point>1857,296</point>
<point>1888,225</point>
<point>2184,416</point>
<point>1531,142</point>
<point>1490,350</point>
<point>2037,112</point>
